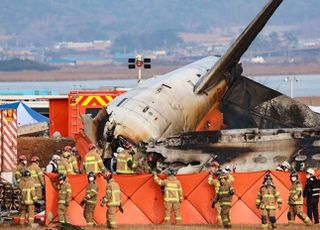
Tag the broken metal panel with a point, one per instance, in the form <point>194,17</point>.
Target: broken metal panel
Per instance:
<point>248,104</point>
<point>248,149</point>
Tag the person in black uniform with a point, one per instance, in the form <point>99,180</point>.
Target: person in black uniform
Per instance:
<point>311,192</point>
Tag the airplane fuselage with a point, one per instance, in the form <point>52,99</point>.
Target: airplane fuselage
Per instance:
<point>165,105</point>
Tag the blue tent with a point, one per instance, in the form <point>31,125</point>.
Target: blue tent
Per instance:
<point>25,115</point>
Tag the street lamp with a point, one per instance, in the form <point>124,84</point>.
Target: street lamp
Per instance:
<point>291,79</point>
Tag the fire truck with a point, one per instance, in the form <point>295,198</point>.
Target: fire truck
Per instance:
<point>64,113</point>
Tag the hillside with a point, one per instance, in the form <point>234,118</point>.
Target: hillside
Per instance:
<point>44,22</point>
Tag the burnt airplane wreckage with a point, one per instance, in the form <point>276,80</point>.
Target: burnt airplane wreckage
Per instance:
<point>161,114</point>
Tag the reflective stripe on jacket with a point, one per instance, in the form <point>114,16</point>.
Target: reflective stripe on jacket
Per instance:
<point>27,187</point>
<point>172,189</point>
<point>65,167</point>
<point>225,193</point>
<point>113,194</point>
<point>215,182</point>
<point>91,194</point>
<point>267,197</point>
<point>122,163</point>
<point>295,196</point>
<point>74,164</point>
<point>36,174</point>
<point>18,174</point>
<point>64,193</point>
<point>93,163</point>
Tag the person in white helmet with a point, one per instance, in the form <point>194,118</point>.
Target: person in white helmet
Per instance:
<point>52,167</point>
<point>284,167</point>
<point>311,192</point>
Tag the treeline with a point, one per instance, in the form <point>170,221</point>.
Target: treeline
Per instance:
<point>22,65</point>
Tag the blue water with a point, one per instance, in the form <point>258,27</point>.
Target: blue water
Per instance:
<point>306,85</point>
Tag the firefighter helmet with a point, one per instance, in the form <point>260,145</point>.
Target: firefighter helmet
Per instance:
<point>120,149</point>
<point>92,174</point>
<point>26,173</point>
<point>35,158</point>
<point>22,158</point>
<point>66,155</point>
<point>172,172</point>
<point>91,146</point>
<point>67,148</point>
<point>61,176</point>
<point>215,164</point>
<point>310,171</point>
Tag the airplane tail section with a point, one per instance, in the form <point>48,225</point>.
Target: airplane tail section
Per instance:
<point>231,58</point>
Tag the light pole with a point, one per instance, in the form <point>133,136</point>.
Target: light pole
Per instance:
<point>292,79</point>
<point>140,63</point>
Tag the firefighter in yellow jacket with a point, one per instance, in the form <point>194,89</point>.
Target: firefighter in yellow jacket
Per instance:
<point>113,201</point>
<point>215,171</point>
<point>21,167</point>
<point>90,199</point>
<point>267,199</point>
<point>29,197</point>
<point>37,175</point>
<point>93,162</point>
<point>72,160</point>
<point>126,164</point>
<point>224,198</point>
<point>295,201</point>
<point>64,197</point>
<point>173,195</point>
<point>64,165</point>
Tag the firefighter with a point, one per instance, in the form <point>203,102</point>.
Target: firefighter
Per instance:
<point>311,192</point>
<point>64,166</point>
<point>126,164</point>
<point>144,164</point>
<point>74,160</point>
<point>266,201</point>
<point>224,198</point>
<point>173,195</point>
<point>52,167</point>
<point>295,201</point>
<point>93,162</point>
<point>29,197</point>
<point>215,171</point>
<point>90,198</point>
<point>37,175</point>
<point>113,201</point>
<point>64,197</point>
<point>21,167</point>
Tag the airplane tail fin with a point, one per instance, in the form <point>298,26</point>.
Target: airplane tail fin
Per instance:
<point>231,58</point>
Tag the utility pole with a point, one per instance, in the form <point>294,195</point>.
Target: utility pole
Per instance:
<point>291,79</point>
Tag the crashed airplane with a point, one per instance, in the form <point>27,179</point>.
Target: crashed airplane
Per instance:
<point>163,112</point>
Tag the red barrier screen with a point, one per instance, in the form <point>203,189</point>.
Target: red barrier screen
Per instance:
<point>142,199</point>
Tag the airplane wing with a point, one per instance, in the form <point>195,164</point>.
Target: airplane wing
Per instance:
<point>238,48</point>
